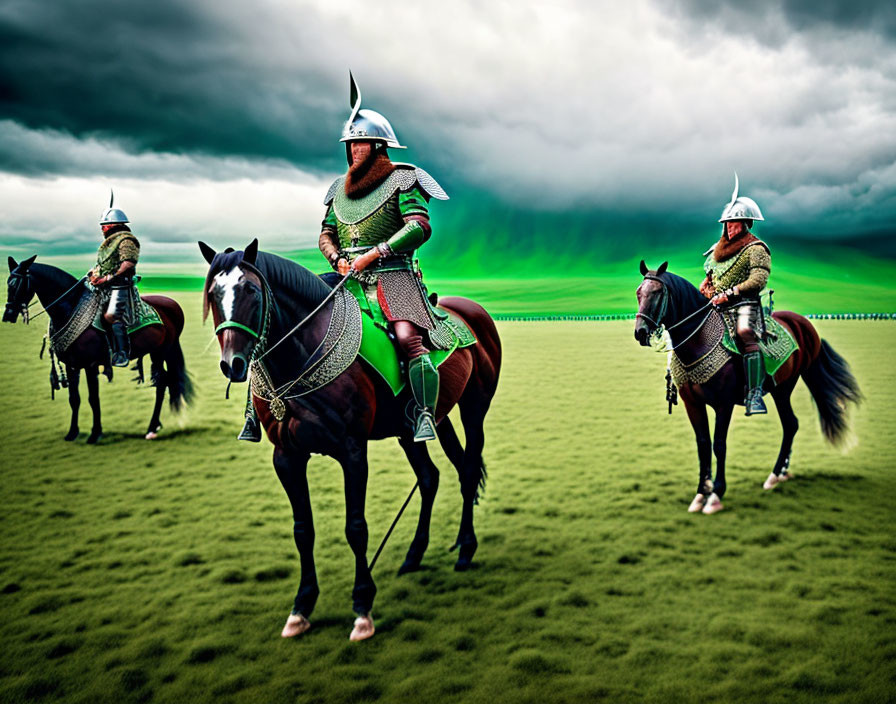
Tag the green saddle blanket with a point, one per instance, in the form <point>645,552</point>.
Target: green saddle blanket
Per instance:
<point>144,315</point>
<point>379,351</point>
<point>776,346</point>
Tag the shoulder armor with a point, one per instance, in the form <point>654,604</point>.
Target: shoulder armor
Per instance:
<point>334,188</point>
<point>411,175</point>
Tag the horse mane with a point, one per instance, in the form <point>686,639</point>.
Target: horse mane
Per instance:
<point>284,276</point>
<point>54,274</point>
<point>683,295</point>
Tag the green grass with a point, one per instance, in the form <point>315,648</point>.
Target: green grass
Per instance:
<point>138,571</point>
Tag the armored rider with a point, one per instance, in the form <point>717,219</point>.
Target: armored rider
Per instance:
<point>737,270</point>
<point>377,217</point>
<point>113,276</point>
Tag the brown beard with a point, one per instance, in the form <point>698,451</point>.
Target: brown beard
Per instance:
<point>725,248</point>
<point>366,175</point>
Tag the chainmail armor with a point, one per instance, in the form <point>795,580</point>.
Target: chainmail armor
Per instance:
<point>737,269</point>
<point>404,296</point>
<point>711,356</point>
<point>82,318</point>
<point>340,348</point>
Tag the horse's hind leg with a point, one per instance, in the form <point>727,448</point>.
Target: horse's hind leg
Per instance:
<point>158,376</point>
<point>291,470</point>
<point>472,477</point>
<point>790,425</point>
<point>92,375</point>
<point>74,399</point>
<point>428,480</point>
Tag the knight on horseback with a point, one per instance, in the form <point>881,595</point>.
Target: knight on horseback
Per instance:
<point>376,219</point>
<point>113,277</point>
<point>737,269</point>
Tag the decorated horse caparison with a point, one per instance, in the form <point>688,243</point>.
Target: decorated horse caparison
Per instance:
<point>709,372</point>
<point>77,339</point>
<point>333,385</point>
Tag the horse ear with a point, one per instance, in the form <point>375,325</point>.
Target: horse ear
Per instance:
<point>12,263</point>
<point>207,252</point>
<point>643,268</point>
<point>662,269</point>
<point>28,262</point>
<point>251,252</point>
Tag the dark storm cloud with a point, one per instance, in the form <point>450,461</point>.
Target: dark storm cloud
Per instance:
<point>163,76</point>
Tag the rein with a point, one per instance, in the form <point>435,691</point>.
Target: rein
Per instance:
<point>663,308</point>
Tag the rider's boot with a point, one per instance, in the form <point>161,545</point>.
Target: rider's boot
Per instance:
<point>754,373</point>
<point>121,347</point>
<point>251,429</point>
<point>424,378</point>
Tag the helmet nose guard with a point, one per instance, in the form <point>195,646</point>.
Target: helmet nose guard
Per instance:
<point>740,207</point>
<point>367,125</point>
<point>113,216</point>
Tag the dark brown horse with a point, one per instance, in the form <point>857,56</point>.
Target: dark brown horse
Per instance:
<point>59,293</point>
<point>669,301</point>
<point>256,299</point>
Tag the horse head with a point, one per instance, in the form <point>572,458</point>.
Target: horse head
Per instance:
<point>653,301</point>
<point>19,291</point>
<point>235,292</point>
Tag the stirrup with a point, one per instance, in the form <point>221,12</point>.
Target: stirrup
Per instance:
<point>250,432</point>
<point>753,404</point>
<point>426,427</point>
<point>119,359</point>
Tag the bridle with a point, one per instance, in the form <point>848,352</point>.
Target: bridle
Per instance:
<point>664,306</point>
<point>261,334</point>
<point>25,306</point>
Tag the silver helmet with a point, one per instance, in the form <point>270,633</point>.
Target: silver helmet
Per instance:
<point>113,216</point>
<point>366,124</point>
<point>740,207</point>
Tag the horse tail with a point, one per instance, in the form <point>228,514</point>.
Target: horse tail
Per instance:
<point>180,385</point>
<point>832,386</point>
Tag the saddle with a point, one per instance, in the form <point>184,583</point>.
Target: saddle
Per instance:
<point>380,350</point>
<point>716,344</point>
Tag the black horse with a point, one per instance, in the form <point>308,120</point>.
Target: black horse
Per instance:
<point>667,300</point>
<point>256,299</point>
<point>60,293</point>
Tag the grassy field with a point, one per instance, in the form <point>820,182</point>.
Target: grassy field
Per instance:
<point>163,571</point>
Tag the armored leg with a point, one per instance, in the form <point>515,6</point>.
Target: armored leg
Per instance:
<point>754,373</point>
<point>251,429</point>
<point>117,315</point>
<point>121,346</point>
<point>423,377</point>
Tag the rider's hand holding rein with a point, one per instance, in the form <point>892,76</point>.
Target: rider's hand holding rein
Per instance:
<point>365,260</point>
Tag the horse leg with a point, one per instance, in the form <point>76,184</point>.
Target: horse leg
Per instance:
<point>291,470</point>
<point>472,477</point>
<point>428,480</point>
<point>696,411</point>
<point>790,425</point>
<point>92,374</point>
<point>74,399</point>
<point>720,448</point>
<point>159,378</point>
<point>354,469</point>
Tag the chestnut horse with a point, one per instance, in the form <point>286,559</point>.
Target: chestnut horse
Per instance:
<point>256,299</point>
<point>669,301</point>
<point>59,293</point>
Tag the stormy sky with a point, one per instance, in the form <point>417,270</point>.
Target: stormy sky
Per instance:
<point>220,120</point>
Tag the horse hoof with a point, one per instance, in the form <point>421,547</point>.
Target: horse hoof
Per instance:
<point>296,625</point>
<point>772,481</point>
<point>71,436</point>
<point>363,628</point>
<point>785,476</point>
<point>713,505</point>
<point>94,439</point>
<point>152,435</point>
<point>409,566</point>
<point>697,504</point>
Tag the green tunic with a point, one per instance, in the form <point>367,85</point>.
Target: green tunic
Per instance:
<point>115,249</point>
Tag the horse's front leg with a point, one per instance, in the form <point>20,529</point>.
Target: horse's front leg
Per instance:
<point>696,410</point>
<point>92,374</point>
<point>354,468</point>
<point>74,399</point>
<point>291,470</point>
<point>720,448</point>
